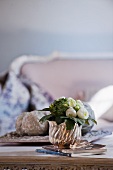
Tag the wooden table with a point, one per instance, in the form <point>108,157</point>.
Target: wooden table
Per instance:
<point>25,158</point>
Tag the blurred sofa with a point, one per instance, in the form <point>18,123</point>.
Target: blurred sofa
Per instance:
<point>33,82</point>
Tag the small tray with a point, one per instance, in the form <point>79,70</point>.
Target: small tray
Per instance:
<point>14,139</point>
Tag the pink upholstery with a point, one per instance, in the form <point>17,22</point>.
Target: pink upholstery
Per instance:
<point>71,77</point>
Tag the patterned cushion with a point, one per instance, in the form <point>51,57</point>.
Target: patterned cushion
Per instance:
<point>39,97</point>
<point>14,99</point>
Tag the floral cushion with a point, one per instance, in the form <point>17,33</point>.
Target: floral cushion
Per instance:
<point>40,101</point>
<point>14,99</point>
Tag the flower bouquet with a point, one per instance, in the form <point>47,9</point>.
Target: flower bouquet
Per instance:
<point>66,118</point>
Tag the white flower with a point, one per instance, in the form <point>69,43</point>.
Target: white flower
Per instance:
<point>79,103</point>
<point>72,102</point>
<point>83,113</point>
<point>71,112</point>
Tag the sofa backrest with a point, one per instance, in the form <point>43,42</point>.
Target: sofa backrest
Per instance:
<point>68,76</point>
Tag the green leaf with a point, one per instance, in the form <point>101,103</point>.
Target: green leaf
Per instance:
<point>64,117</point>
<point>93,120</point>
<point>87,122</point>
<point>79,121</point>
<point>58,120</point>
<point>46,117</point>
<point>76,120</point>
<point>45,109</point>
<point>69,124</point>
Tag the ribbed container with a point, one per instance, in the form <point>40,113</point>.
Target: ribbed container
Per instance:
<point>59,136</point>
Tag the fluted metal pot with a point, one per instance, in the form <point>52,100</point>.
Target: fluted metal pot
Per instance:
<point>61,137</point>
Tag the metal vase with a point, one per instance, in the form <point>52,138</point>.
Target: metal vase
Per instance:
<point>61,137</point>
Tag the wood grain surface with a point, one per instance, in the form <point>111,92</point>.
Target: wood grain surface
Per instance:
<point>26,158</point>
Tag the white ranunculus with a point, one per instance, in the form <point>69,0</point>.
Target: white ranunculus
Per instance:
<point>71,112</point>
<point>79,103</point>
<point>83,113</point>
<point>72,102</point>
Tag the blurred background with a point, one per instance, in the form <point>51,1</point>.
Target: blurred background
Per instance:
<point>40,27</point>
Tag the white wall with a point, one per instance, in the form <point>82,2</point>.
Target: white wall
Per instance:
<point>43,26</point>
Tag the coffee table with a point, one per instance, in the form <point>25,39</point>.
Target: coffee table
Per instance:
<point>26,158</point>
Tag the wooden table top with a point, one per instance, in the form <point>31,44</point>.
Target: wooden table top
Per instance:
<point>28,155</point>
